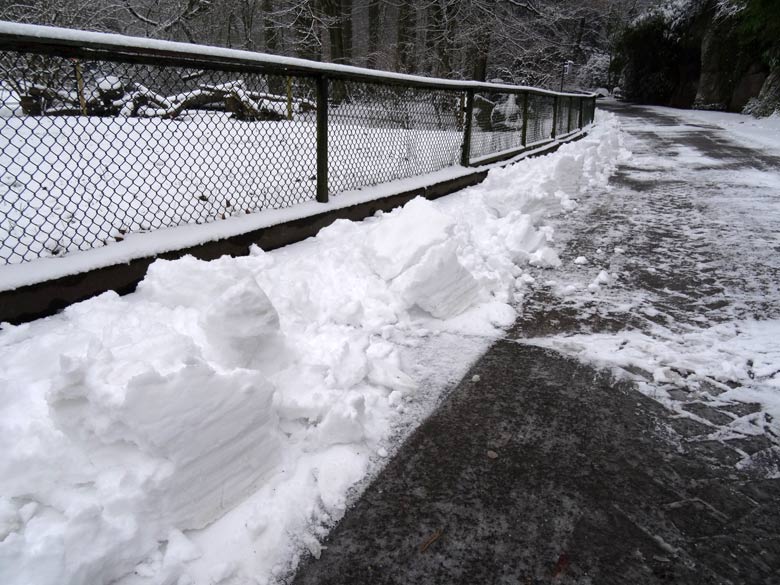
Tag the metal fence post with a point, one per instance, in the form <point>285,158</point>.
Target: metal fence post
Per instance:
<point>555,117</point>
<point>525,119</point>
<point>322,139</point>
<point>465,158</point>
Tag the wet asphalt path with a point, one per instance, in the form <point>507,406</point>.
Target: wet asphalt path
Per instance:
<point>544,470</point>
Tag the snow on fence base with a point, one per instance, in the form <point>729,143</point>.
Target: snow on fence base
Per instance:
<point>28,302</point>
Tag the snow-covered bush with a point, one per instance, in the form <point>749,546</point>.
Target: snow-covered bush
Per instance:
<point>595,73</point>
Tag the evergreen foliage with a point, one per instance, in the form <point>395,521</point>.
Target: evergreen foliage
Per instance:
<point>648,54</point>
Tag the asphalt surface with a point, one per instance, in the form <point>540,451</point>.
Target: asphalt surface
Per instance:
<point>540,469</point>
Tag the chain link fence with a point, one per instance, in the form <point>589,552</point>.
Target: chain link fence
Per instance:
<point>379,133</point>
<point>98,141</point>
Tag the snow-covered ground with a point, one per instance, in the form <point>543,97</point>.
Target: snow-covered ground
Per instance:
<point>210,427</point>
<point>750,131</point>
<point>719,366</point>
<point>76,183</point>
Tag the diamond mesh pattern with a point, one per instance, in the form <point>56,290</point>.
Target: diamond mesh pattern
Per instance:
<point>379,133</point>
<point>91,150</point>
<point>158,147</point>
<point>540,118</point>
<point>562,121</point>
<point>588,112</point>
<point>497,124</point>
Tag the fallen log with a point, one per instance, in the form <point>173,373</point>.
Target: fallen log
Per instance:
<point>110,97</point>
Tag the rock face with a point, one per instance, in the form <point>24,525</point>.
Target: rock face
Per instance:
<point>731,72</point>
<point>699,59</point>
<point>768,100</point>
<point>655,65</point>
<point>749,85</point>
<point>718,64</point>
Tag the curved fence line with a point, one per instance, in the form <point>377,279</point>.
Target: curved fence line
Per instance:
<point>103,135</point>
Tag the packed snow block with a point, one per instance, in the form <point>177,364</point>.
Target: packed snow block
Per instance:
<point>343,423</point>
<point>223,441</point>
<point>404,236</point>
<point>206,439</point>
<point>242,328</point>
<point>545,258</point>
<point>188,281</point>
<point>385,368</point>
<point>438,283</point>
<point>520,237</point>
<point>602,278</point>
<point>568,168</point>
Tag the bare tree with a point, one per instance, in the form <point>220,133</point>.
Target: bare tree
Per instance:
<point>516,40</point>
<point>163,19</point>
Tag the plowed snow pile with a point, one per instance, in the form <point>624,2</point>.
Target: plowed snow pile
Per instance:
<point>207,428</point>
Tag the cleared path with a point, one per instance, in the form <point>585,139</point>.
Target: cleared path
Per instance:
<point>546,470</point>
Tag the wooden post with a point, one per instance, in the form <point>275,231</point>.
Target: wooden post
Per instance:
<point>555,117</point>
<point>525,119</point>
<point>80,87</point>
<point>468,114</point>
<point>322,139</point>
<point>289,98</point>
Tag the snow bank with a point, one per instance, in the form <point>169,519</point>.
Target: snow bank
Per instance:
<point>208,427</point>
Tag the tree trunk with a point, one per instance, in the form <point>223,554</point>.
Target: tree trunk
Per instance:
<point>248,21</point>
<point>407,24</point>
<point>272,33</point>
<point>374,27</point>
<point>335,23</point>
<point>346,29</point>
<point>441,28</point>
<point>307,41</point>
<point>481,55</point>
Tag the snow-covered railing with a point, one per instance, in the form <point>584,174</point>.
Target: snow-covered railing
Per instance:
<point>103,135</point>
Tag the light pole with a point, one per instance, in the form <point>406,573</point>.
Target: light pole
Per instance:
<point>565,70</point>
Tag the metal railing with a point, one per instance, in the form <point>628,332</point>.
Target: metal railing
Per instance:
<point>103,135</point>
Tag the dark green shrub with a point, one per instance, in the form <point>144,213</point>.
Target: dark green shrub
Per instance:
<point>649,56</point>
